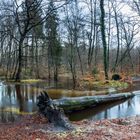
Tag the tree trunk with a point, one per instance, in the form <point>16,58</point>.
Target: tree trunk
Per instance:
<point>81,103</point>
<point>102,22</point>
<point>18,74</point>
<point>118,39</point>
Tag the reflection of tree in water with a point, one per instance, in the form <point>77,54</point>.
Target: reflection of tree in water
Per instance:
<point>7,116</point>
<point>106,114</point>
<point>19,97</point>
<point>2,115</point>
<point>26,92</point>
<point>32,94</point>
<point>26,97</point>
<point>14,97</point>
<point>9,91</point>
<point>95,113</point>
<point>130,103</point>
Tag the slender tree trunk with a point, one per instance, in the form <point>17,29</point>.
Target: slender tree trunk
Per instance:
<point>109,37</point>
<point>36,57</point>
<point>92,36</point>
<point>8,57</point>
<point>102,22</point>
<point>118,39</point>
<point>18,74</point>
<point>56,73</point>
<point>15,63</point>
<point>80,59</point>
<point>26,58</point>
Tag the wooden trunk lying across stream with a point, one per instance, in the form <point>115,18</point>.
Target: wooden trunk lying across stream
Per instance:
<point>52,109</point>
<point>80,103</point>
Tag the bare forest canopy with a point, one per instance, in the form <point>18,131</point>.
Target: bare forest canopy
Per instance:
<point>46,38</point>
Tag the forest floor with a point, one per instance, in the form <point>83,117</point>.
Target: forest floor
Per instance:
<point>35,127</point>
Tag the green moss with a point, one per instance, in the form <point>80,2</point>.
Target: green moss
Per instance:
<point>110,84</point>
<point>25,81</point>
<point>73,102</point>
<point>17,111</point>
<point>77,105</point>
<point>31,80</point>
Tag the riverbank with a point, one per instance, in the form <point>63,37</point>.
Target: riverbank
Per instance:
<point>36,127</point>
<point>82,84</point>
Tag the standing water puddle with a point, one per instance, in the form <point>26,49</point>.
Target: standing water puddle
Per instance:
<point>16,100</point>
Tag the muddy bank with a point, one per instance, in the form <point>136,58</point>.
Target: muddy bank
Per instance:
<point>35,127</point>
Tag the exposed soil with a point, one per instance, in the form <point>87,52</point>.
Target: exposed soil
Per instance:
<point>35,127</point>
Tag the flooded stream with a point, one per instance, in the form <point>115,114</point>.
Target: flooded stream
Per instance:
<point>16,100</point>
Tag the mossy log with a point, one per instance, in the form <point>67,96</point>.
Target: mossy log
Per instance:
<point>80,103</point>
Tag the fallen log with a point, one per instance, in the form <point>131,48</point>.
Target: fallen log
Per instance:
<point>80,103</point>
<point>52,109</point>
<point>52,112</point>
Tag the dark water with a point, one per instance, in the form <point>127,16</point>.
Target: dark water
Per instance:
<point>121,109</point>
<point>16,100</point>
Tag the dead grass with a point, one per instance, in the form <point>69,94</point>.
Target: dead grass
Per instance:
<point>35,127</point>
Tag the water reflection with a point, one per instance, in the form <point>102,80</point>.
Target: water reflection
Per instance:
<point>21,99</point>
<point>108,111</point>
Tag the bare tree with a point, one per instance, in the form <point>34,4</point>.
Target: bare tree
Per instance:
<point>102,22</point>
